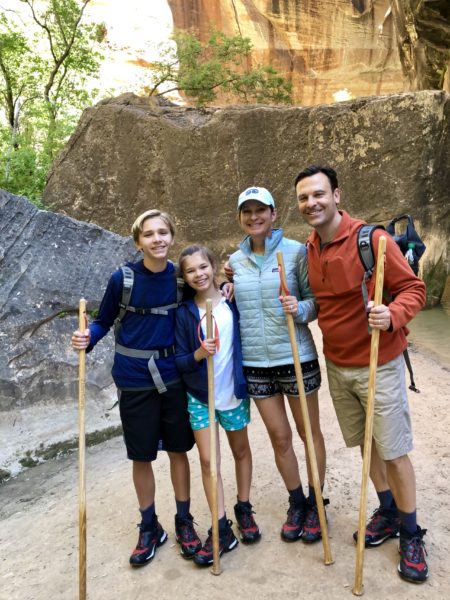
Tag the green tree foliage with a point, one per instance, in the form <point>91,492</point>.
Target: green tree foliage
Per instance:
<point>47,56</point>
<point>222,64</point>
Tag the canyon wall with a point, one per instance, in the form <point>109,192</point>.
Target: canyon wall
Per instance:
<point>332,49</point>
<point>323,47</point>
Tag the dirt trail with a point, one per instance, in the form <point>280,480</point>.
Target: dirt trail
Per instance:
<point>39,531</point>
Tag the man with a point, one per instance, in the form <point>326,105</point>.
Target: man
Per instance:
<point>335,276</point>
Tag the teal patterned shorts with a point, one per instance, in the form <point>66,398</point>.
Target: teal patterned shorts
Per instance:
<point>231,420</point>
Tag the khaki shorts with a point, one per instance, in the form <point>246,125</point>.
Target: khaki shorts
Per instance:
<point>391,424</point>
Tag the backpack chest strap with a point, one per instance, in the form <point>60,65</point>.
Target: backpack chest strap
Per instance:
<point>152,355</point>
<point>158,310</point>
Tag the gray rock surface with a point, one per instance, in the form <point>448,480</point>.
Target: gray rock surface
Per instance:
<point>129,154</point>
<point>48,262</point>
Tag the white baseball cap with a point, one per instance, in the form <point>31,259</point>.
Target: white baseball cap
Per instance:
<point>256,193</point>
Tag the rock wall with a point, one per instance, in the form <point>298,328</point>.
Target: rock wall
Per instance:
<point>48,262</point>
<point>321,46</point>
<point>391,153</point>
<point>423,41</point>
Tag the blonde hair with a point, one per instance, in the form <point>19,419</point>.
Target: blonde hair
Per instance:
<point>138,225</point>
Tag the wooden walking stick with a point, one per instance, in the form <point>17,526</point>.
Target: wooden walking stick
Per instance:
<point>374,343</point>
<point>215,569</point>
<point>81,456</point>
<point>328,560</point>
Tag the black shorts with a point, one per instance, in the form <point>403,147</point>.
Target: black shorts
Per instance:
<point>149,417</point>
<point>265,382</point>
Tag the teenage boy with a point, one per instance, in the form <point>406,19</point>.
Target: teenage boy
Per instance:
<point>152,399</point>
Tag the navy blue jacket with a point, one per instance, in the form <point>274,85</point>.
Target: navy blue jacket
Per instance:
<point>193,373</point>
<point>144,332</point>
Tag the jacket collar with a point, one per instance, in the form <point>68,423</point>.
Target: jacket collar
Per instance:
<point>190,304</point>
<point>270,243</point>
<point>346,227</point>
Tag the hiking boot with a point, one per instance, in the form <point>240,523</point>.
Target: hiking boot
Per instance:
<point>383,524</point>
<point>311,528</point>
<point>227,541</point>
<point>249,530</point>
<point>412,565</point>
<point>186,536</point>
<point>292,529</point>
<point>150,538</point>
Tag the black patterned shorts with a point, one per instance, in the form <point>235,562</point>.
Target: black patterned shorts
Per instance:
<point>266,382</point>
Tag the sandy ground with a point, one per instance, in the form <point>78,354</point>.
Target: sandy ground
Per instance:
<point>39,522</point>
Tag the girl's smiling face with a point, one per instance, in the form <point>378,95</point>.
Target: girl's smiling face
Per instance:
<point>198,272</point>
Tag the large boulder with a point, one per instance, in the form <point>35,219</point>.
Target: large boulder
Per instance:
<point>128,154</point>
<point>48,262</point>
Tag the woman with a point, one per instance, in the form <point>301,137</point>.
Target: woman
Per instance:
<point>267,354</point>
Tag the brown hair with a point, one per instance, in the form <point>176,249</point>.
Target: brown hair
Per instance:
<point>206,252</point>
<point>138,225</point>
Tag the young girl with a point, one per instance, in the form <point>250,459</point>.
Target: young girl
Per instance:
<point>152,399</point>
<point>198,267</point>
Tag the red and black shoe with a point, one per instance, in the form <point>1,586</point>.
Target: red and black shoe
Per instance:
<point>186,536</point>
<point>412,566</point>
<point>383,524</point>
<point>248,529</point>
<point>311,529</point>
<point>227,541</point>
<point>149,539</point>
<point>292,529</point>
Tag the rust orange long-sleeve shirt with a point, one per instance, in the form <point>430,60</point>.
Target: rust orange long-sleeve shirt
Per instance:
<point>335,276</point>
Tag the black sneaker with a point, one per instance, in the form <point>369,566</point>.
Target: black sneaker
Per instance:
<point>412,565</point>
<point>227,541</point>
<point>149,540</point>
<point>292,529</point>
<point>383,524</point>
<point>249,530</point>
<point>311,528</point>
<point>186,536</point>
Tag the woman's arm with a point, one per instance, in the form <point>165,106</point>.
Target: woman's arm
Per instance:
<point>307,307</point>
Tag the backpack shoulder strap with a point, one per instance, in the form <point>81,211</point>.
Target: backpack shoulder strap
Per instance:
<point>366,255</point>
<point>365,249</point>
<point>127,288</point>
<point>179,282</point>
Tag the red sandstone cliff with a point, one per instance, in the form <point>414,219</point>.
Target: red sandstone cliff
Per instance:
<point>321,46</point>
<point>368,47</point>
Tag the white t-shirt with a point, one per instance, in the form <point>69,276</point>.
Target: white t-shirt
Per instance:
<point>223,360</point>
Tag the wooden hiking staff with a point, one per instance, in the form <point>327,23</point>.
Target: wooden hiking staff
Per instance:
<point>81,456</point>
<point>215,569</point>
<point>374,343</point>
<point>328,559</point>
